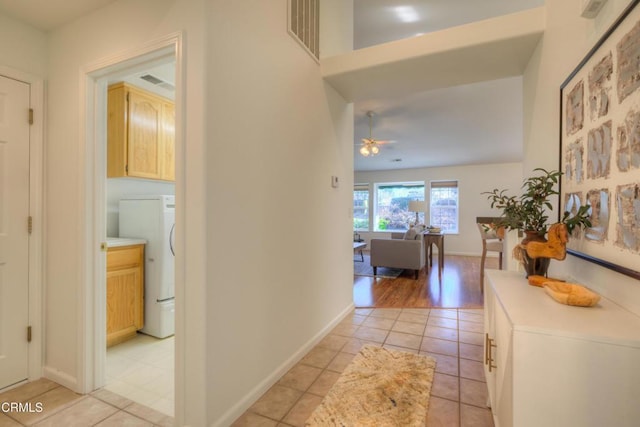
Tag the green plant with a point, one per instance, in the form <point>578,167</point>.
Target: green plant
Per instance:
<point>528,212</point>
<point>383,223</point>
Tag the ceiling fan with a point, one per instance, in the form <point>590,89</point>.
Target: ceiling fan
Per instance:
<point>370,146</point>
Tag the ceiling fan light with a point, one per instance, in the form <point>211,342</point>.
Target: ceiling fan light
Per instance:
<point>375,150</point>
<point>364,150</point>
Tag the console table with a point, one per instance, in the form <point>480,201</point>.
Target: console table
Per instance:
<point>549,364</point>
<point>431,239</point>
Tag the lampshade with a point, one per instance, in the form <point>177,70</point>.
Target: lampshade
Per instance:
<point>369,149</point>
<point>417,206</point>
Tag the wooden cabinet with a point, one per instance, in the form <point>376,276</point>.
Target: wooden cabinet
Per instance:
<point>549,364</point>
<point>125,292</point>
<point>140,134</point>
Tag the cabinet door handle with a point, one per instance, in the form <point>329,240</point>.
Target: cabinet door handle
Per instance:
<point>486,348</point>
<point>489,343</point>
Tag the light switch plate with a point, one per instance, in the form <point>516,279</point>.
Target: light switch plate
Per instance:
<point>334,181</point>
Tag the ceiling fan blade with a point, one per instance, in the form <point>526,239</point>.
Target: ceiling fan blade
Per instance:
<point>386,141</point>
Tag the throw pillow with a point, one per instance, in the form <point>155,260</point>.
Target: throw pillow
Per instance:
<point>410,234</point>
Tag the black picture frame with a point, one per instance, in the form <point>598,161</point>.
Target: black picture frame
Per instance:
<point>599,101</point>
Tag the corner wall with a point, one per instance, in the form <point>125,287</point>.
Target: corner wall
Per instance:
<point>279,252</point>
<point>566,41</point>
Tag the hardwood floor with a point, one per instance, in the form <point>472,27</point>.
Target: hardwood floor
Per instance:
<point>459,288</point>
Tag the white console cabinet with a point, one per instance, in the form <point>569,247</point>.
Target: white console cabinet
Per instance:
<point>553,365</point>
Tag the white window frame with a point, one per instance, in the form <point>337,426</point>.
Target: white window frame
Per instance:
<point>363,187</point>
<point>375,208</point>
<point>436,206</point>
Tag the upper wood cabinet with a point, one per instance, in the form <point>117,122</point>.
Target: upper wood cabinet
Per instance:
<point>140,134</point>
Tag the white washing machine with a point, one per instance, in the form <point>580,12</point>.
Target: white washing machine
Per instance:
<point>153,218</point>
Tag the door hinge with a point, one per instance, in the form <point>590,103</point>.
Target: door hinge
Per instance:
<point>30,224</point>
<point>30,116</point>
<point>28,333</point>
<point>126,168</point>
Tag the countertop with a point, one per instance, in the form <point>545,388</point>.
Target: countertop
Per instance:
<point>530,309</point>
<point>114,242</point>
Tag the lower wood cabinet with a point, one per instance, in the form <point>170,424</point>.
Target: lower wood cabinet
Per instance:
<point>125,292</point>
<point>548,364</point>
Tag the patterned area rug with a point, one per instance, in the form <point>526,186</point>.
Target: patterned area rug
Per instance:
<point>363,268</point>
<point>380,387</point>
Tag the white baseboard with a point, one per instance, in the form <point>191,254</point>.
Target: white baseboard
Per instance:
<point>239,408</point>
<point>61,378</point>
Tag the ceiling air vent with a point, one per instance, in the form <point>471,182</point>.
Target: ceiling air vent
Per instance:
<point>158,82</point>
<point>304,24</point>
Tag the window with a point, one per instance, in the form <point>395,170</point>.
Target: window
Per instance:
<point>392,205</point>
<point>361,207</point>
<point>444,205</point>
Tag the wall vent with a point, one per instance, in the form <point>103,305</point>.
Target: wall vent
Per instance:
<point>591,8</point>
<point>157,81</point>
<point>304,24</point>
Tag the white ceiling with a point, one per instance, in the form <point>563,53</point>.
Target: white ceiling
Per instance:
<point>49,14</point>
<point>470,124</point>
<point>379,21</point>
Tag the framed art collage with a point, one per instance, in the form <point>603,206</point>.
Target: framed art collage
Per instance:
<point>600,147</point>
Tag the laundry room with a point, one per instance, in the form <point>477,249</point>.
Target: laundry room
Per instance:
<point>140,228</point>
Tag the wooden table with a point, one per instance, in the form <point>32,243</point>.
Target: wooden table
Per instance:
<point>359,246</point>
<point>431,239</point>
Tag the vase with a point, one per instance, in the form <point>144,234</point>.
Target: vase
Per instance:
<point>533,266</point>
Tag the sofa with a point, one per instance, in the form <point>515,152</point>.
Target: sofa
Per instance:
<point>403,250</point>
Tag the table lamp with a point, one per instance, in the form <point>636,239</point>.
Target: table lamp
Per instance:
<point>417,206</point>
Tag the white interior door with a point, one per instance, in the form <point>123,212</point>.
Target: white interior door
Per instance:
<point>14,235</point>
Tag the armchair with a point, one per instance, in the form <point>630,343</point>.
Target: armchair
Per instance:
<point>398,252</point>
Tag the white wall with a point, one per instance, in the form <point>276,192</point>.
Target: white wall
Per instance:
<point>279,264</point>
<point>22,47</point>
<point>107,33</point>
<point>567,39</point>
<point>472,181</point>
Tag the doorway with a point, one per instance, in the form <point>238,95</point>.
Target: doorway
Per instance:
<point>139,366</point>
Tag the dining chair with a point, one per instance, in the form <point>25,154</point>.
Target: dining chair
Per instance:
<point>492,240</point>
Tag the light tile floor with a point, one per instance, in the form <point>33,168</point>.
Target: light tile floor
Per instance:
<point>142,370</point>
<point>452,336</point>
<point>62,407</point>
